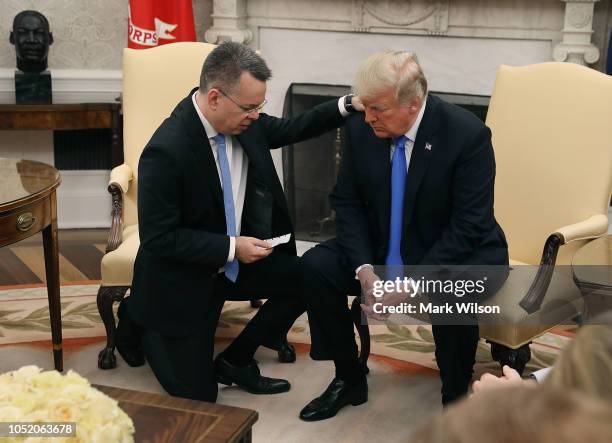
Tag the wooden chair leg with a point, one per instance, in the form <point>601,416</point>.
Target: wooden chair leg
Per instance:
<point>361,323</point>
<point>517,359</point>
<point>107,295</point>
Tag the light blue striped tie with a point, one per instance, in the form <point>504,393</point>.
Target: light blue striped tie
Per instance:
<point>231,268</point>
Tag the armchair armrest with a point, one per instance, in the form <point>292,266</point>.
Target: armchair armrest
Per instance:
<point>118,185</point>
<point>593,226</point>
<point>121,176</point>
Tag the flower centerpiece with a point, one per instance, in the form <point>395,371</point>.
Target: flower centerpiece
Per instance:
<point>33,396</point>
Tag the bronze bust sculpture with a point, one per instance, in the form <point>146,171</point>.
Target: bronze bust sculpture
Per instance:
<point>31,37</point>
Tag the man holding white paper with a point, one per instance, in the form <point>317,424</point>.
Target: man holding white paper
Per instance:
<point>208,194</point>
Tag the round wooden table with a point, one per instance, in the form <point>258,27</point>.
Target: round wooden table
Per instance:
<point>592,272</point>
<point>28,205</point>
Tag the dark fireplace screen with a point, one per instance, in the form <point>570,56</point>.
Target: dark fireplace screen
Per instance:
<point>310,168</point>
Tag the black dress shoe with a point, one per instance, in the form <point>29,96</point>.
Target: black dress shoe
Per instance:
<point>285,351</point>
<point>127,339</point>
<point>248,378</point>
<point>337,395</point>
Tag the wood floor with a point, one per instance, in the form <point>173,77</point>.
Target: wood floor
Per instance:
<point>81,251</point>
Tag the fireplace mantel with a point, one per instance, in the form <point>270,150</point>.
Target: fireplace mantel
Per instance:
<point>460,43</point>
<point>567,24</point>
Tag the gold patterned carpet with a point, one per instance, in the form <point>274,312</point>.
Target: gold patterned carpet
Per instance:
<point>24,319</point>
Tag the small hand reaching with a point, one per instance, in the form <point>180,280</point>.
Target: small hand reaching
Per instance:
<point>489,382</point>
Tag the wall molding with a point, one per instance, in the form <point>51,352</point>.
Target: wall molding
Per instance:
<point>71,85</point>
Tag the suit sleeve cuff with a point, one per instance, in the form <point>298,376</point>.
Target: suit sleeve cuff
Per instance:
<point>360,268</point>
<point>341,107</point>
<point>232,249</point>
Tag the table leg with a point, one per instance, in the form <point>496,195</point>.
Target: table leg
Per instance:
<point>50,243</point>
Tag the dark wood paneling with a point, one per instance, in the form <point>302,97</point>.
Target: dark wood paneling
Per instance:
<point>65,117</point>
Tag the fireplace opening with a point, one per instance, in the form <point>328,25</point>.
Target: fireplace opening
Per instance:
<point>310,168</point>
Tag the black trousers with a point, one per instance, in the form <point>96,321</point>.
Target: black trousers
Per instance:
<point>184,366</point>
<point>328,280</point>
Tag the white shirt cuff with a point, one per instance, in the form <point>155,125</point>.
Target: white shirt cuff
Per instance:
<point>360,268</point>
<point>541,374</point>
<point>341,107</point>
<point>232,249</point>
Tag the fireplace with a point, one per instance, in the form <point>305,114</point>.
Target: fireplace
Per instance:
<point>310,168</point>
<point>313,45</point>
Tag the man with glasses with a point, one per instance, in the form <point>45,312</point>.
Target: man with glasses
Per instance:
<point>208,197</point>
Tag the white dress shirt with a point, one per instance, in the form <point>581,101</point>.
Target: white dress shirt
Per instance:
<point>411,136</point>
<point>238,166</point>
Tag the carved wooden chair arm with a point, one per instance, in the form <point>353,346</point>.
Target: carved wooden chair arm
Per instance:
<point>592,227</point>
<point>118,185</point>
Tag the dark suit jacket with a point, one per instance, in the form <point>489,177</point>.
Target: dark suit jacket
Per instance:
<point>448,209</point>
<point>183,239</point>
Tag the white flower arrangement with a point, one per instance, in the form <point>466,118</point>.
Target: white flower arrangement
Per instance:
<point>30,395</point>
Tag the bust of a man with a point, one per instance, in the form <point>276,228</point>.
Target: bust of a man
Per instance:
<point>31,37</point>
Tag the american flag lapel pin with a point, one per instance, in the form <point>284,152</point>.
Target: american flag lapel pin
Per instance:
<point>428,146</point>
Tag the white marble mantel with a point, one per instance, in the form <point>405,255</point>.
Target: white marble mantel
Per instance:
<point>565,23</point>
<point>460,43</point>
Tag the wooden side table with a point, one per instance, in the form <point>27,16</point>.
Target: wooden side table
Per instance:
<point>162,418</point>
<point>592,272</point>
<point>67,116</point>
<point>28,206</point>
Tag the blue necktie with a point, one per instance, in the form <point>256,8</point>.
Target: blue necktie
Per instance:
<point>231,268</point>
<point>398,186</point>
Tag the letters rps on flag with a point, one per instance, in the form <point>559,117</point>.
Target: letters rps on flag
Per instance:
<point>157,22</point>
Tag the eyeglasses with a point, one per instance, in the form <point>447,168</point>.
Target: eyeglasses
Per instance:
<point>246,109</point>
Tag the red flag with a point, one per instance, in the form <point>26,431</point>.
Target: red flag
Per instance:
<point>158,22</point>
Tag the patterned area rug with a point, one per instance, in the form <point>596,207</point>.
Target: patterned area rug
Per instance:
<point>24,318</point>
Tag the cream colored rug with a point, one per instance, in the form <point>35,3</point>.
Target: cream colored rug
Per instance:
<point>24,318</point>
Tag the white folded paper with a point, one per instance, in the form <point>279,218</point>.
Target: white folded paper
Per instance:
<point>278,240</point>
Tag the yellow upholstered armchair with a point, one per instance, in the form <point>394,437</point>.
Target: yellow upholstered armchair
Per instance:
<point>154,81</point>
<point>553,147</point>
<point>552,138</point>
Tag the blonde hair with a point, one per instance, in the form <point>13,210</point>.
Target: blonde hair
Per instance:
<point>521,414</point>
<point>586,362</point>
<point>399,70</point>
